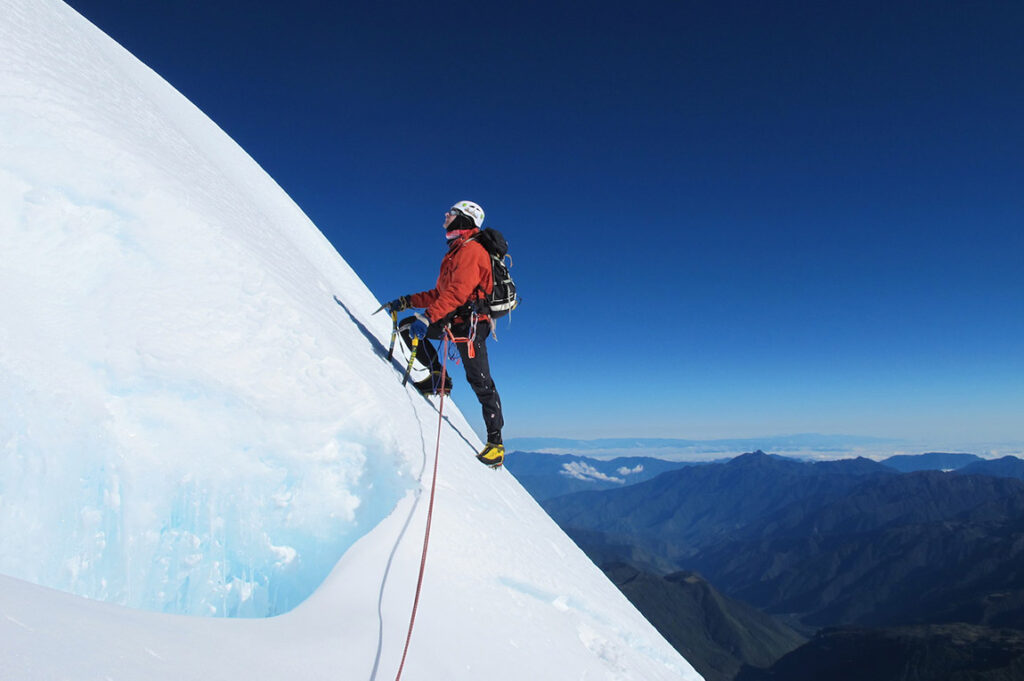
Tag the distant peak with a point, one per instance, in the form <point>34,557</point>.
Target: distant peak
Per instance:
<point>757,456</point>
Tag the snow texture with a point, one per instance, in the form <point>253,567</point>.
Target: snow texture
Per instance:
<point>207,467</point>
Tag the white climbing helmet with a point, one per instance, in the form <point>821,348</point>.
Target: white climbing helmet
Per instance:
<point>471,210</point>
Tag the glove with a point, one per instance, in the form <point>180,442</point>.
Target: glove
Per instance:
<point>418,328</point>
<point>398,304</point>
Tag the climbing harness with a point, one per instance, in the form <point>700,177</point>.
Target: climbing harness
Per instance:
<point>470,336</point>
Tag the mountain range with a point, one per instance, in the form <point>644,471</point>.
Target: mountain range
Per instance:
<point>840,543</point>
<point>547,476</point>
<point>680,512</point>
<point>930,461</point>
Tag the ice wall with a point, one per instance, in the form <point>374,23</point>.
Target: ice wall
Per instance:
<point>187,420</point>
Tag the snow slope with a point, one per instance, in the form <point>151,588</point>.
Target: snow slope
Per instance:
<point>191,424</point>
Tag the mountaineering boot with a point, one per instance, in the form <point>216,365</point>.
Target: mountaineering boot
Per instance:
<point>429,385</point>
<point>492,455</point>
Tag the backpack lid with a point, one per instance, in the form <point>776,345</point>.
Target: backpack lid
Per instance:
<point>493,241</point>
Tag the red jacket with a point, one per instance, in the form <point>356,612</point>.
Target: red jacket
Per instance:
<point>465,276</point>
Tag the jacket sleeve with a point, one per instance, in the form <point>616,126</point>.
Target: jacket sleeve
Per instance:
<point>470,270</point>
<point>423,299</point>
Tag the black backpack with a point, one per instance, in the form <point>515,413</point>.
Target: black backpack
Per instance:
<point>502,299</point>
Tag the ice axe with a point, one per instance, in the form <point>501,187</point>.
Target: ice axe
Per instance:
<point>412,358</point>
<point>394,333</point>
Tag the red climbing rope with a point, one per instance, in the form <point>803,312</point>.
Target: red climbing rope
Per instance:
<point>430,506</point>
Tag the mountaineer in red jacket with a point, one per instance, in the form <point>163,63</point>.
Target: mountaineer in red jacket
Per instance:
<point>464,279</point>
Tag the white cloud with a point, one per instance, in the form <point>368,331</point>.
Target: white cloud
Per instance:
<point>584,471</point>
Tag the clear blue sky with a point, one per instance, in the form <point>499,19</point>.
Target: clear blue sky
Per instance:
<point>728,219</point>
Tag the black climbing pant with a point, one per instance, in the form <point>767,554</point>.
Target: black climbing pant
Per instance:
<point>478,369</point>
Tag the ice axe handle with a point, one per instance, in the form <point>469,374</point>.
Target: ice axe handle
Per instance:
<point>394,333</point>
<point>412,358</point>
